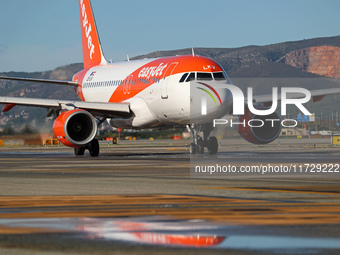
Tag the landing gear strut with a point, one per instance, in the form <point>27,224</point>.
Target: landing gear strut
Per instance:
<point>198,143</point>
<point>93,148</point>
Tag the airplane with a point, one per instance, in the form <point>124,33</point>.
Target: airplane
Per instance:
<point>139,94</point>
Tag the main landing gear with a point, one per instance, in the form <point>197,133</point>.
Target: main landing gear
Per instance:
<point>198,143</point>
<point>93,148</point>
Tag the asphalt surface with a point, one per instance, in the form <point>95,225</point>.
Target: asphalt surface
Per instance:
<point>142,197</point>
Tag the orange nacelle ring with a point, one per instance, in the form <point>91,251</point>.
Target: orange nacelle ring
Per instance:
<point>259,135</point>
<point>75,128</point>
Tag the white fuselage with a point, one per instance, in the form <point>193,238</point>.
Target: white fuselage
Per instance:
<point>165,101</point>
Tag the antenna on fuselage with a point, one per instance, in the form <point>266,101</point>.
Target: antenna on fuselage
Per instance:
<point>193,52</point>
<point>127,57</point>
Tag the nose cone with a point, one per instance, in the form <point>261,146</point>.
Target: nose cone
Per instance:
<point>209,101</point>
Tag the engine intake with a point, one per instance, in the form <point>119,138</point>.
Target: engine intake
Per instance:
<point>257,134</point>
<point>75,128</point>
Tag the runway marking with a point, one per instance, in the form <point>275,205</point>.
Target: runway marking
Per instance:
<point>40,201</point>
<point>328,190</point>
<point>25,230</point>
<point>234,211</point>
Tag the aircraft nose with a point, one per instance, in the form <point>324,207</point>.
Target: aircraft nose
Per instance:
<point>209,101</point>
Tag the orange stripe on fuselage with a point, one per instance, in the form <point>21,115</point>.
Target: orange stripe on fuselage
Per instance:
<point>147,74</point>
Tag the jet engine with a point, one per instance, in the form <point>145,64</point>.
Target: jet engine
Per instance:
<point>75,128</point>
<point>259,129</point>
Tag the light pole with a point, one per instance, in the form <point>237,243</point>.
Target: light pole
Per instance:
<point>316,125</point>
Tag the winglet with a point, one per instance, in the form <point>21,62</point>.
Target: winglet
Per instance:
<point>8,107</point>
<point>92,52</point>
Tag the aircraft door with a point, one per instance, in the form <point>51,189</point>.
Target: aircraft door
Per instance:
<point>165,80</point>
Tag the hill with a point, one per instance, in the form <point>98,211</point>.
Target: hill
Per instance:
<point>232,59</point>
<point>303,63</point>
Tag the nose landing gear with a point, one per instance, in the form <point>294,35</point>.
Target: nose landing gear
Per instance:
<point>198,143</point>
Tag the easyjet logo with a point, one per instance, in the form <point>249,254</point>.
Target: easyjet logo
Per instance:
<point>152,71</point>
<point>88,28</point>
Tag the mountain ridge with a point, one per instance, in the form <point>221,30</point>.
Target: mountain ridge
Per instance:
<point>233,58</point>
<point>241,63</point>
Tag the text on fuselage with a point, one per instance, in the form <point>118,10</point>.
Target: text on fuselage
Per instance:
<point>152,71</point>
<point>87,28</point>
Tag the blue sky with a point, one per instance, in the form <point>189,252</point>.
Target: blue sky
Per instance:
<point>39,35</point>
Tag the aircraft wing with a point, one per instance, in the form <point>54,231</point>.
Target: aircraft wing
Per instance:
<point>109,110</point>
<point>58,82</point>
<point>317,95</point>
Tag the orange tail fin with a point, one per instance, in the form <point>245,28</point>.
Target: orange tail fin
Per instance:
<point>92,52</point>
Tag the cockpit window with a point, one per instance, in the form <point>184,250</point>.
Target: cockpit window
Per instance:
<point>219,76</point>
<point>191,77</point>
<point>204,76</point>
<point>183,77</point>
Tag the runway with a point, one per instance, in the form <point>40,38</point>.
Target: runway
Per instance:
<point>140,197</point>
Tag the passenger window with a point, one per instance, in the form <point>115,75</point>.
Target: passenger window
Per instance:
<point>204,76</point>
<point>183,77</point>
<point>219,76</point>
<point>191,77</point>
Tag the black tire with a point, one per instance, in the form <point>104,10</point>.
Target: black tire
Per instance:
<point>212,145</point>
<point>93,148</point>
<point>200,146</point>
<point>79,151</point>
<point>192,148</point>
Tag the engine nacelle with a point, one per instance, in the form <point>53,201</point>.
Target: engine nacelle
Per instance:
<point>259,135</point>
<point>75,128</point>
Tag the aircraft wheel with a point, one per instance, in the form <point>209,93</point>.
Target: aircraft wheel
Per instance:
<point>192,148</point>
<point>212,145</point>
<point>79,151</point>
<point>93,148</point>
<point>200,146</point>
